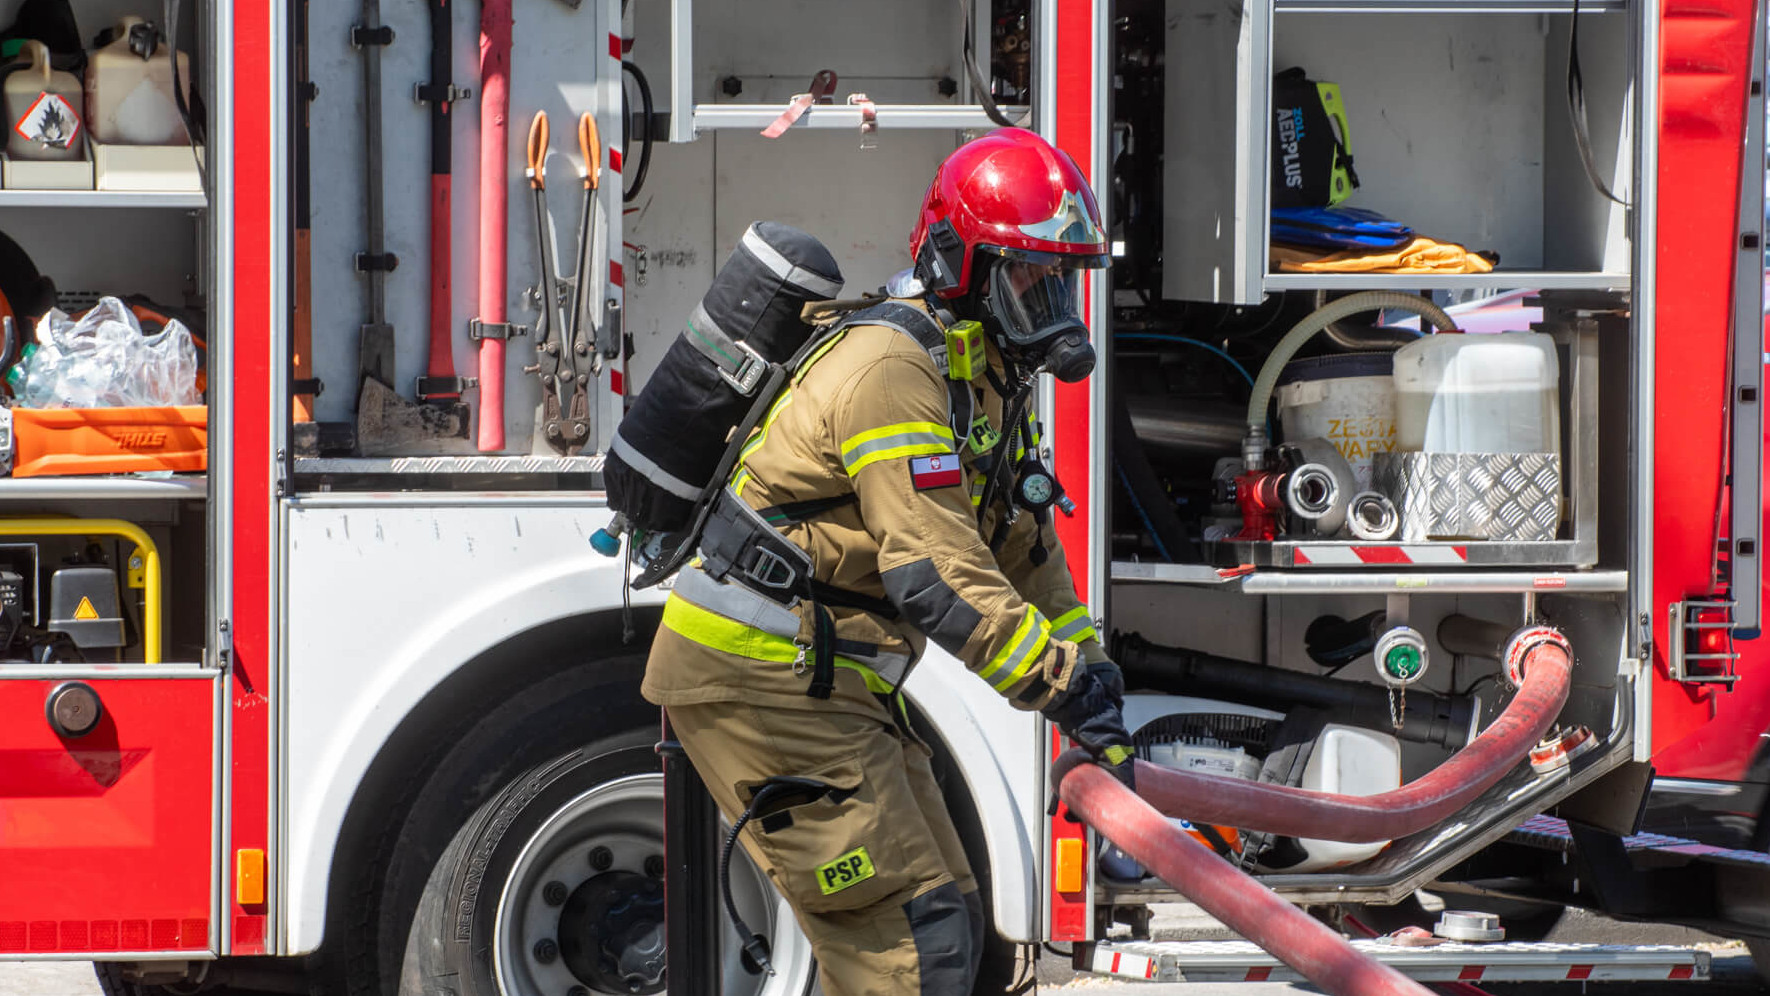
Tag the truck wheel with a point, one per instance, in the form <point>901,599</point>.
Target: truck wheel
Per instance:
<point>554,887</point>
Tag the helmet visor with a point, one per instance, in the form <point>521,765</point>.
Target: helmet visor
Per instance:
<point>1036,301</point>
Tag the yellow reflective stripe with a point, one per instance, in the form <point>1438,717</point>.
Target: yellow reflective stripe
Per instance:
<point>761,436</point>
<point>817,354</point>
<point>741,475</point>
<point>978,483</point>
<point>1117,754</point>
<point>892,442</point>
<point>1074,626</point>
<point>711,629</point>
<point>875,684</point>
<point>1026,659</point>
<point>1018,654</point>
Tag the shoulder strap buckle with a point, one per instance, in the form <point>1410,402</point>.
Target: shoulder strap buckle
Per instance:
<point>749,372</point>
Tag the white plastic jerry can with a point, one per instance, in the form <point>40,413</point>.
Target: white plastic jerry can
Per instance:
<point>42,110</point>
<point>129,96</point>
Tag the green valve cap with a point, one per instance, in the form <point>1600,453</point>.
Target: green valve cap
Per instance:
<point>1402,662</point>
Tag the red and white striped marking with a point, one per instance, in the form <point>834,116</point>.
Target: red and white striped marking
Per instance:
<point>1380,554</point>
<point>1240,961</point>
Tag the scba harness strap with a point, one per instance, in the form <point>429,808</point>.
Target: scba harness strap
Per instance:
<point>744,545</point>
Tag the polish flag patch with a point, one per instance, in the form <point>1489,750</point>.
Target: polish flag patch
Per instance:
<point>935,472</point>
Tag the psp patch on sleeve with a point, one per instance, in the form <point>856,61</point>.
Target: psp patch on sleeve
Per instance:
<point>852,868</point>
<point>935,471</point>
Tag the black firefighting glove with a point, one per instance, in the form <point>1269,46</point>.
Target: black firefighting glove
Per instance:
<point>1108,674</point>
<point>1088,714</point>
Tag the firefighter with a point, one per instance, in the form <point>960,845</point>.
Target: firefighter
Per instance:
<point>910,486</point>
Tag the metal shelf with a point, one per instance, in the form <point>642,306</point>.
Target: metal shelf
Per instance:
<point>931,117</point>
<point>161,199</point>
<point>117,488</point>
<point>345,466</point>
<point>1497,280</point>
<point>1459,582</point>
<point>1451,554</point>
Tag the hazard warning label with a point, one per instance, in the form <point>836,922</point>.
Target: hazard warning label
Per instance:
<point>50,120</point>
<point>84,612</point>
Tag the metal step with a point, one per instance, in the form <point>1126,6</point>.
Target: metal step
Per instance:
<point>1242,961</point>
<point>1551,833</point>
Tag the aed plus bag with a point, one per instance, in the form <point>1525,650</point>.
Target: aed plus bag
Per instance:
<point>679,440</point>
<point>1311,144</point>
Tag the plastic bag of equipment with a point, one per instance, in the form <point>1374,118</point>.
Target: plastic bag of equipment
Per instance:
<point>1311,144</point>
<point>671,448</point>
<point>102,360</point>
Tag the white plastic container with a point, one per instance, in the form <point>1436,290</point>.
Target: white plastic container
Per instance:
<point>1348,760</point>
<point>1348,400</point>
<point>47,102</point>
<point>1478,393</point>
<point>129,99</point>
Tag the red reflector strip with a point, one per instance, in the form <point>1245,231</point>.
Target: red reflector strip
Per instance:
<point>1580,972</point>
<point>616,275</point>
<point>1258,974</point>
<point>614,159</point>
<point>1383,555</point>
<point>614,46</point>
<point>1115,963</point>
<point>1149,968</point>
<point>1470,973</point>
<point>1682,972</point>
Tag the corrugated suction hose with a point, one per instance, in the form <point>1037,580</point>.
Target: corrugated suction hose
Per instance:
<point>1138,827</point>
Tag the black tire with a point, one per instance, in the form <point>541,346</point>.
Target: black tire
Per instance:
<point>1760,949</point>
<point>385,864</point>
<point>112,983</point>
<point>454,821</point>
<point>483,917</point>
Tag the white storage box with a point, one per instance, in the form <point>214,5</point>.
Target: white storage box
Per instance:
<point>168,168</point>
<point>33,174</point>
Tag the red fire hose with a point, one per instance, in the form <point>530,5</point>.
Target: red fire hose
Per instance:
<point>1542,659</point>
<point>495,23</point>
<point>1220,889</point>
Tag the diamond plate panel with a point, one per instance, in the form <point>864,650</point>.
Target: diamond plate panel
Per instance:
<point>1486,496</point>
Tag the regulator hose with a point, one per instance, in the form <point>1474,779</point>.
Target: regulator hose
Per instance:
<point>1319,319</point>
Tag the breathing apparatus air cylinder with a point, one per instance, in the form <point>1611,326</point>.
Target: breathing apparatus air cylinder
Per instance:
<point>670,446</point>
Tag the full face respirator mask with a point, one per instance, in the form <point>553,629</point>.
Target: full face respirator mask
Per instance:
<point>1037,307</point>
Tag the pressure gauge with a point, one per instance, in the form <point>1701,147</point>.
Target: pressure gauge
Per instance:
<point>1035,489</point>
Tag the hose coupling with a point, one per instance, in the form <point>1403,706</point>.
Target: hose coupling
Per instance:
<point>1526,640</point>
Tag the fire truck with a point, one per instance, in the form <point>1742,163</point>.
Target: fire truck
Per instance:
<point>355,706</point>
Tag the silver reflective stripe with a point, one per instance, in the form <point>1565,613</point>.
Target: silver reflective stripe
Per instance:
<point>1075,627</point>
<point>653,473</point>
<point>735,602</point>
<point>893,668</point>
<point>704,334</point>
<point>798,276</point>
<point>856,458</point>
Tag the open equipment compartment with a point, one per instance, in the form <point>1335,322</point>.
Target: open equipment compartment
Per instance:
<point>140,230</point>
<point>718,73</point>
<point>1459,128</point>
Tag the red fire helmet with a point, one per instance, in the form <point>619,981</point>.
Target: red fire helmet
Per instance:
<point>1011,193</point>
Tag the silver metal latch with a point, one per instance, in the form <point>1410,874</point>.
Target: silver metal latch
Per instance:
<point>749,372</point>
